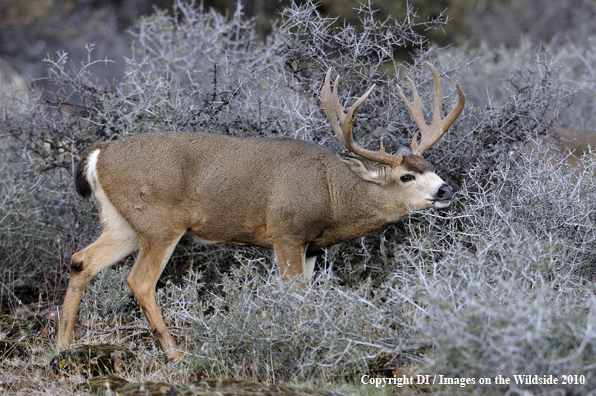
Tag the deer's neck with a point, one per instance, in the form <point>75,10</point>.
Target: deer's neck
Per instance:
<point>361,207</point>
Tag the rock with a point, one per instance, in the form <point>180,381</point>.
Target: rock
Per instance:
<point>150,389</point>
<point>216,386</point>
<point>101,385</point>
<point>92,360</point>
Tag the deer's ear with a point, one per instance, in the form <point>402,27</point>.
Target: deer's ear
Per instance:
<point>359,167</point>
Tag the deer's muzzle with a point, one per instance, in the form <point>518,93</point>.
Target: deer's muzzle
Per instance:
<point>443,196</point>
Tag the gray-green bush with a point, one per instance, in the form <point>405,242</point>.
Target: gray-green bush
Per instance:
<point>500,283</point>
<point>488,288</point>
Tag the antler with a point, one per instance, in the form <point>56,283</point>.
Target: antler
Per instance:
<point>430,134</point>
<point>343,130</point>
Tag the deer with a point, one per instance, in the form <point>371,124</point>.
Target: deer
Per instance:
<point>295,197</point>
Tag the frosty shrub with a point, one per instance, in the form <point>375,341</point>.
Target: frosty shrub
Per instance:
<point>499,283</point>
<point>489,288</point>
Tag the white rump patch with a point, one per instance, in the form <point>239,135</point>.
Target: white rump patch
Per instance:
<point>91,170</point>
<point>110,218</point>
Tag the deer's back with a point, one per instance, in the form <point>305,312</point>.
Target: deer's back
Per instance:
<point>211,183</point>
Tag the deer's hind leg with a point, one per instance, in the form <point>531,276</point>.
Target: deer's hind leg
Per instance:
<point>153,257</point>
<point>111,246</point>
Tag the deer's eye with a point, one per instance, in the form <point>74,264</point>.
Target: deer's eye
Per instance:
<point>406,178</point>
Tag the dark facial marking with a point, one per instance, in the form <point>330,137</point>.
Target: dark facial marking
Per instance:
<point>417,164</point>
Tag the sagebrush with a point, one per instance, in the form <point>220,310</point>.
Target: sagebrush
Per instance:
<point>500,283</point>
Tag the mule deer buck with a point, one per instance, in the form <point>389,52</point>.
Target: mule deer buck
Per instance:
<point>293,196</point>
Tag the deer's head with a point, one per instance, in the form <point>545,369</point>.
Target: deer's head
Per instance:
<point>405,175</point>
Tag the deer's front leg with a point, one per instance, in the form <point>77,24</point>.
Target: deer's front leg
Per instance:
<point>291,261</point>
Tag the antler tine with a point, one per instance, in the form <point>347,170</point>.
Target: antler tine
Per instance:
<point>431,134</point>
<point>437,94</point>
<point>415,108</point>
<point>343,130</point>
<point>326,99</point>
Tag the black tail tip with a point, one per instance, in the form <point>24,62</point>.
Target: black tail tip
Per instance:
<point>81,184</point>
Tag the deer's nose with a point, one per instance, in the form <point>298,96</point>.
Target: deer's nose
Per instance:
<point>445,192</point>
